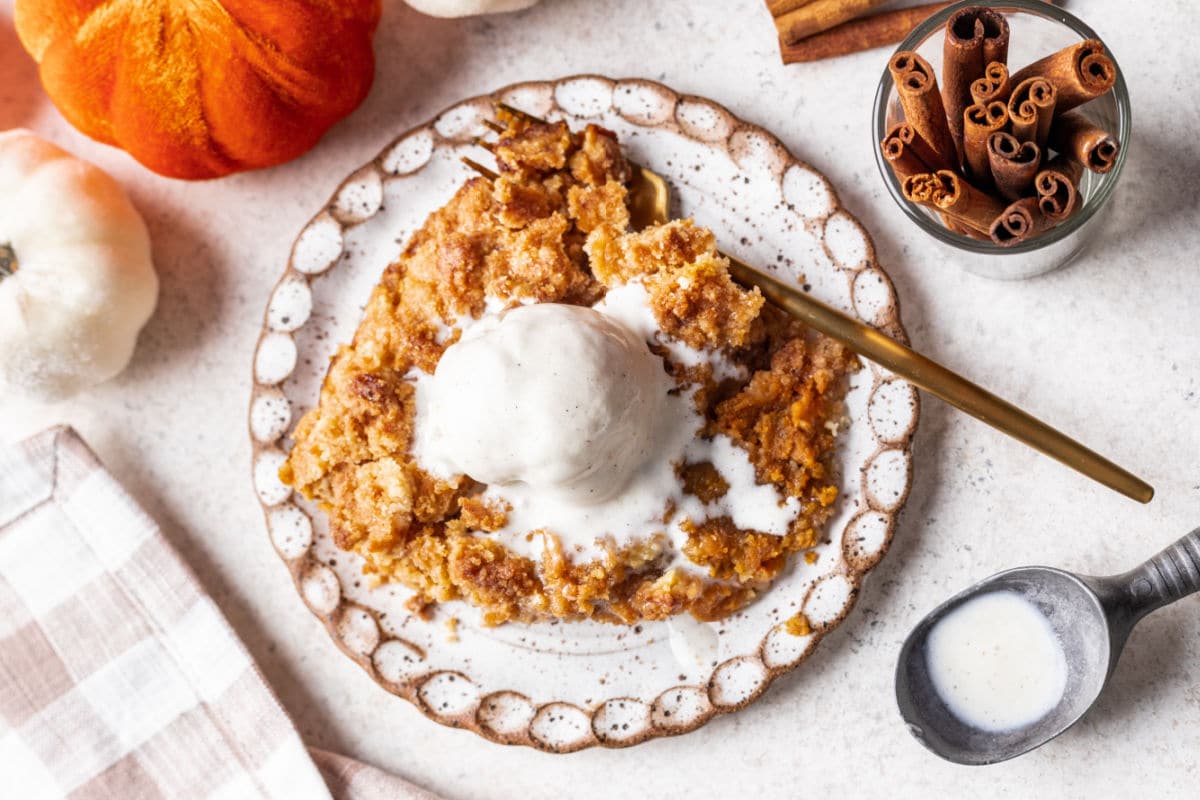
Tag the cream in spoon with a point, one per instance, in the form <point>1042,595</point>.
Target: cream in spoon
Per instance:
<point>996,662</point>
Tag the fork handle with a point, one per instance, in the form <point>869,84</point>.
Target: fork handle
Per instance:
<point>941,382</point>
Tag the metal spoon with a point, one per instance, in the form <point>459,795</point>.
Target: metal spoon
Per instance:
<point>1092,618</point>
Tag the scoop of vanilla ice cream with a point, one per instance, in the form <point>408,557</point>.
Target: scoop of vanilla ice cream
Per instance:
<point>559,397</point>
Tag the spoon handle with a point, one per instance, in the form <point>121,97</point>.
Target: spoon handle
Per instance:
<point>941,382</point>
<point>1165,578</point>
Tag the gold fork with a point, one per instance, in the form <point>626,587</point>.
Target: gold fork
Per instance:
<point>649,201</point>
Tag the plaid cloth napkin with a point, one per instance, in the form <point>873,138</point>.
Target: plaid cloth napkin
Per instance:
<point>119,677</point>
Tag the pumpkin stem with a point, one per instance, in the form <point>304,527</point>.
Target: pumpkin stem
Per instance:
<point>8,261</point>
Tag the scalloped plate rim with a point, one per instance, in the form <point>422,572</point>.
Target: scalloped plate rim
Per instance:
<point>411,689</point>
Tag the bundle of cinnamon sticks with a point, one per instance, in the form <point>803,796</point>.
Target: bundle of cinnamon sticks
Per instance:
<point>998,154</point>
<point>810,30</point>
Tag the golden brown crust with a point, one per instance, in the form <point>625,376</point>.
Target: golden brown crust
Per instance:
<point>700,305</point>
<point>552,228</point>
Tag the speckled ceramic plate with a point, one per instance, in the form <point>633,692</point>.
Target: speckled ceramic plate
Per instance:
<point>563,687</point>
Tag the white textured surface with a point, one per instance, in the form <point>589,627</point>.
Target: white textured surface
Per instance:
<point>1109,350</point>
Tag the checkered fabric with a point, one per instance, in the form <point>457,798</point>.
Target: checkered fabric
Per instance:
<point>119,677</point>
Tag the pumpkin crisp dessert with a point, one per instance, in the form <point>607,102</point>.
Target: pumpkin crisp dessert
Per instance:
<point>549,416</point>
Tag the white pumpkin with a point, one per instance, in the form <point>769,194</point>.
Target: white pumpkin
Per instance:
<point>76,279</point>
<point>467,8</point>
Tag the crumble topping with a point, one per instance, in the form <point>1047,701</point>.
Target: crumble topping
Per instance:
<point>553,228</point>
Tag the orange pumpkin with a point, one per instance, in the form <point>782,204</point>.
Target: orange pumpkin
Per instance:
<point>203,88</point>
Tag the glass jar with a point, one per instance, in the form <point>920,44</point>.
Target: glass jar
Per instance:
<point>1037,29</point>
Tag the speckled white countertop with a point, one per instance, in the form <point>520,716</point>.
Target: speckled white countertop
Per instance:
<point>1108,349</point>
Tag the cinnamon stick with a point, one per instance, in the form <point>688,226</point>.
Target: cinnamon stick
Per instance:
<point>921,189</point>
<point>900,155</point>
<point>1013,163</point>
<point>818,15</point>
<point>966,203</point>
<point>1079,73</point>
<point>995,44</point>
<point>905,145</point>
<point>917,89</point>
<point>980,122</point>
<point>778,7</point>
<point>949,193</point>
<point>975,36</point>
<point>1057,187</point>
<point>901,149</point>
<point>1031,109</point>
<point>1091,145</point>
<point>1020,221</point>
<point>872,31</point>
<point>994,85</point>
<point>904,163</point>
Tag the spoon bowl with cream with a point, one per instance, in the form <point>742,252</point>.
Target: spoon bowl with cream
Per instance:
<point>1010,663</point>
